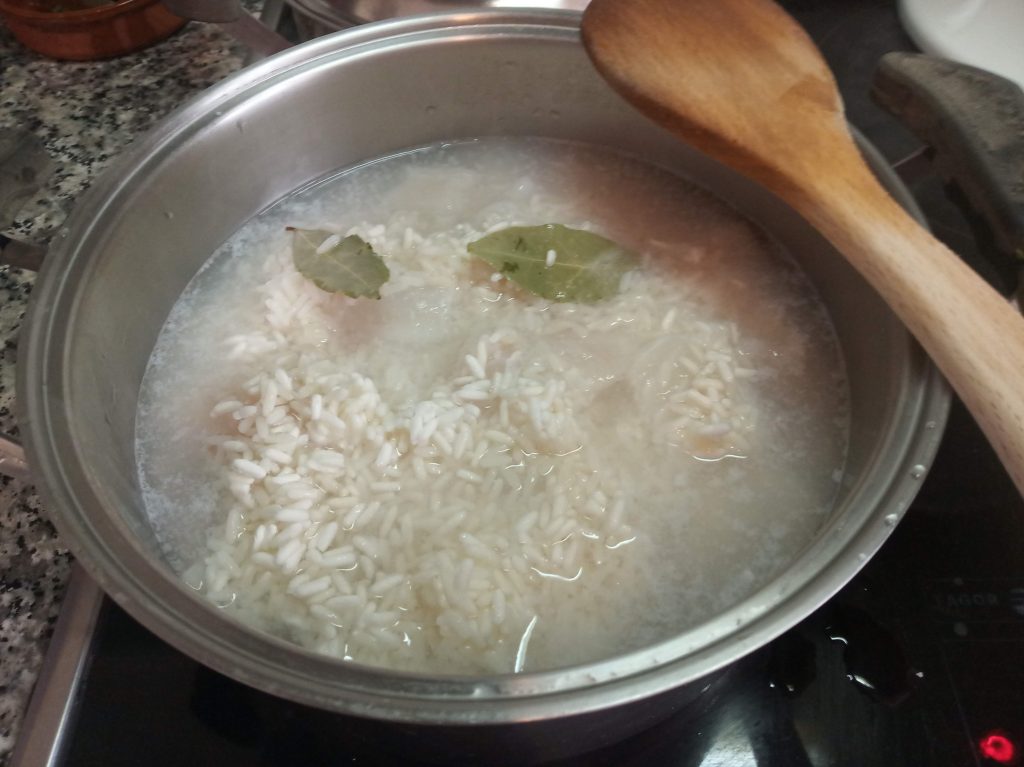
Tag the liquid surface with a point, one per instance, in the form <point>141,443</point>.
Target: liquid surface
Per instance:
<point>464,477</point>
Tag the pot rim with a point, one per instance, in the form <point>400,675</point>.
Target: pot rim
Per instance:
<point>334,15</point>
<point>159,600</point>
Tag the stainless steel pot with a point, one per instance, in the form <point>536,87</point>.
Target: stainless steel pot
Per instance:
<point>147,226</point>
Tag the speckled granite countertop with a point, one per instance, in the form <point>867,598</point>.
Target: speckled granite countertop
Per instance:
<point>85,114</point>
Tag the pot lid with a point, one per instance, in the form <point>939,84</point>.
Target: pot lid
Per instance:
<point>344,13</point>
<point>983,33</point>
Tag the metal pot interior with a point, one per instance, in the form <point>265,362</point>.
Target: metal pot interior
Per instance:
<point>148,226</point>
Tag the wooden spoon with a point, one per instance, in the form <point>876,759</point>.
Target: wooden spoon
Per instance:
<point>741,80</point>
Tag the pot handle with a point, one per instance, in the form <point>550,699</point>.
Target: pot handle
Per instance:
<point>24,166</point>
<point>972,122</point>
<point>19,254</point>
<point>12,459</point>
<point>233,19</point>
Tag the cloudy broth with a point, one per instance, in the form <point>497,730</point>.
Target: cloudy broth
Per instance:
<point>465,477</point>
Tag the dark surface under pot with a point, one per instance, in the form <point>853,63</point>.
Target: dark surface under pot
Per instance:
<point>918,661</point>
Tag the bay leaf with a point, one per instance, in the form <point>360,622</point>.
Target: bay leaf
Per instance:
<point>351,266</point>
<point>586,267</point>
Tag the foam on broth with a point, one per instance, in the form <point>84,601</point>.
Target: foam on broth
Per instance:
<point>662,525</point>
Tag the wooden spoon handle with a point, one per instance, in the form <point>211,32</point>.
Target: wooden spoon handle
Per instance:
<point>971,332</point>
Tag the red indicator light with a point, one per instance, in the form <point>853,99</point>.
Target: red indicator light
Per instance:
<point>998,748</point>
